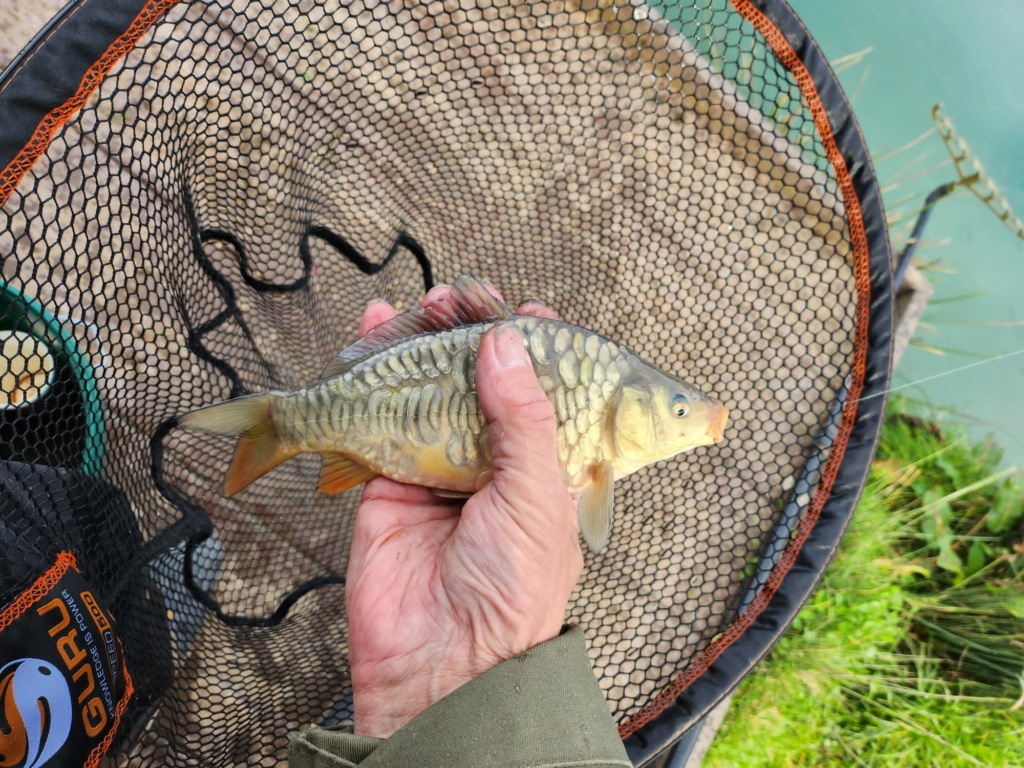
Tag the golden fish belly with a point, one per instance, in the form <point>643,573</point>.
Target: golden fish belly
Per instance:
<point>411,412</point>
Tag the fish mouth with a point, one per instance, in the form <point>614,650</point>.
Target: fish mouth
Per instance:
<point>717,425</point>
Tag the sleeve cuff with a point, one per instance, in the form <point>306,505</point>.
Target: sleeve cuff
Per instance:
<point>543,707</point>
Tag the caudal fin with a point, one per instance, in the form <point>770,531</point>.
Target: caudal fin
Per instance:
<point>259,449</point>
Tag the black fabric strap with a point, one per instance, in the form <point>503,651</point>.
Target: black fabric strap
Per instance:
<point>44,76</point>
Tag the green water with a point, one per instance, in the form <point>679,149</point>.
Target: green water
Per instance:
<point>969,55</point>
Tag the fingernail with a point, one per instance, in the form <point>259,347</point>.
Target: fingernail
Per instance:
<point>509,348</point>
<point>492,289</point>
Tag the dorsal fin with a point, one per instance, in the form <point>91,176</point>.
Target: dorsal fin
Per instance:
<point>475,304</point>
<point>469,302</point>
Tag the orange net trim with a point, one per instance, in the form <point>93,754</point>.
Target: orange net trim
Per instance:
<point>41,586</point>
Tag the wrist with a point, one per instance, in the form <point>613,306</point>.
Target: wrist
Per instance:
<point>387,695</point>
<point>385,698</point>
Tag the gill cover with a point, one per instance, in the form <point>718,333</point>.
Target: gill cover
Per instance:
<point>656,415</point>
<point>633,430</point>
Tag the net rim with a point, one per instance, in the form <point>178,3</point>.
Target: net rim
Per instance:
<point>97,48</point>
<point>721,667</point>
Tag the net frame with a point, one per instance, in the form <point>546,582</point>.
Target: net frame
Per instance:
<point>794,577</point>
<point>80,46</point>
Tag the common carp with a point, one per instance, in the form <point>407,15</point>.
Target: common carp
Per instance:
<point>402,402</point>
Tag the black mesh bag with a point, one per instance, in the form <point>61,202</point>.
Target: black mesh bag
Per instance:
<point>197,199</point>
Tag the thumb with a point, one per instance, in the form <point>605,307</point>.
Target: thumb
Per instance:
<point>521,423</point>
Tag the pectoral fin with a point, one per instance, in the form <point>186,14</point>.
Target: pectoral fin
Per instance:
<point>595,509</point>
<point>339,473</point>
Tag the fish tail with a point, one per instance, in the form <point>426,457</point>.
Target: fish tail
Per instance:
<point>259,448</point>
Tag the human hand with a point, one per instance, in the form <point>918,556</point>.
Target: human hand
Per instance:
<point>439,591</point>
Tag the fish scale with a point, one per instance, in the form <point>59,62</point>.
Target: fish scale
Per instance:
<point>402,402</point>
<point>423,393</point>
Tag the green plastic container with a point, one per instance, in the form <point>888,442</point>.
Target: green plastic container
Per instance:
<point>73,396</point>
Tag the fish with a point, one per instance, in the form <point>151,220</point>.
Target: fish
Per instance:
<point>402,402</point>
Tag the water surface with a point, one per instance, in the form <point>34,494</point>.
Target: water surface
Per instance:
<point>970,57</point>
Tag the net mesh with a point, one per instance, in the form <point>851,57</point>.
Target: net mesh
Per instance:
<point>250,174</point>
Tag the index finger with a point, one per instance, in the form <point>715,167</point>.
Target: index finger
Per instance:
<point>536,308</point>
<point>376,312</point>
<point>528,306</point>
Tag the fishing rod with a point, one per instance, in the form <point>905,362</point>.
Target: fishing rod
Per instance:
<point>971,175</point>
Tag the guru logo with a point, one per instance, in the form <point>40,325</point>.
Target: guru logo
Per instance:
<point>36,713</point>
<point>78,650</point>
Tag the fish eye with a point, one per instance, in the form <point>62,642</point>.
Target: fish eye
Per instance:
<point>680,405</point>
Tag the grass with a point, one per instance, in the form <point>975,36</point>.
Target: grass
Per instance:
<point>911,652</point>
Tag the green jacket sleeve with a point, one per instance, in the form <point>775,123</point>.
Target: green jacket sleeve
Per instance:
<point>543,708</point>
